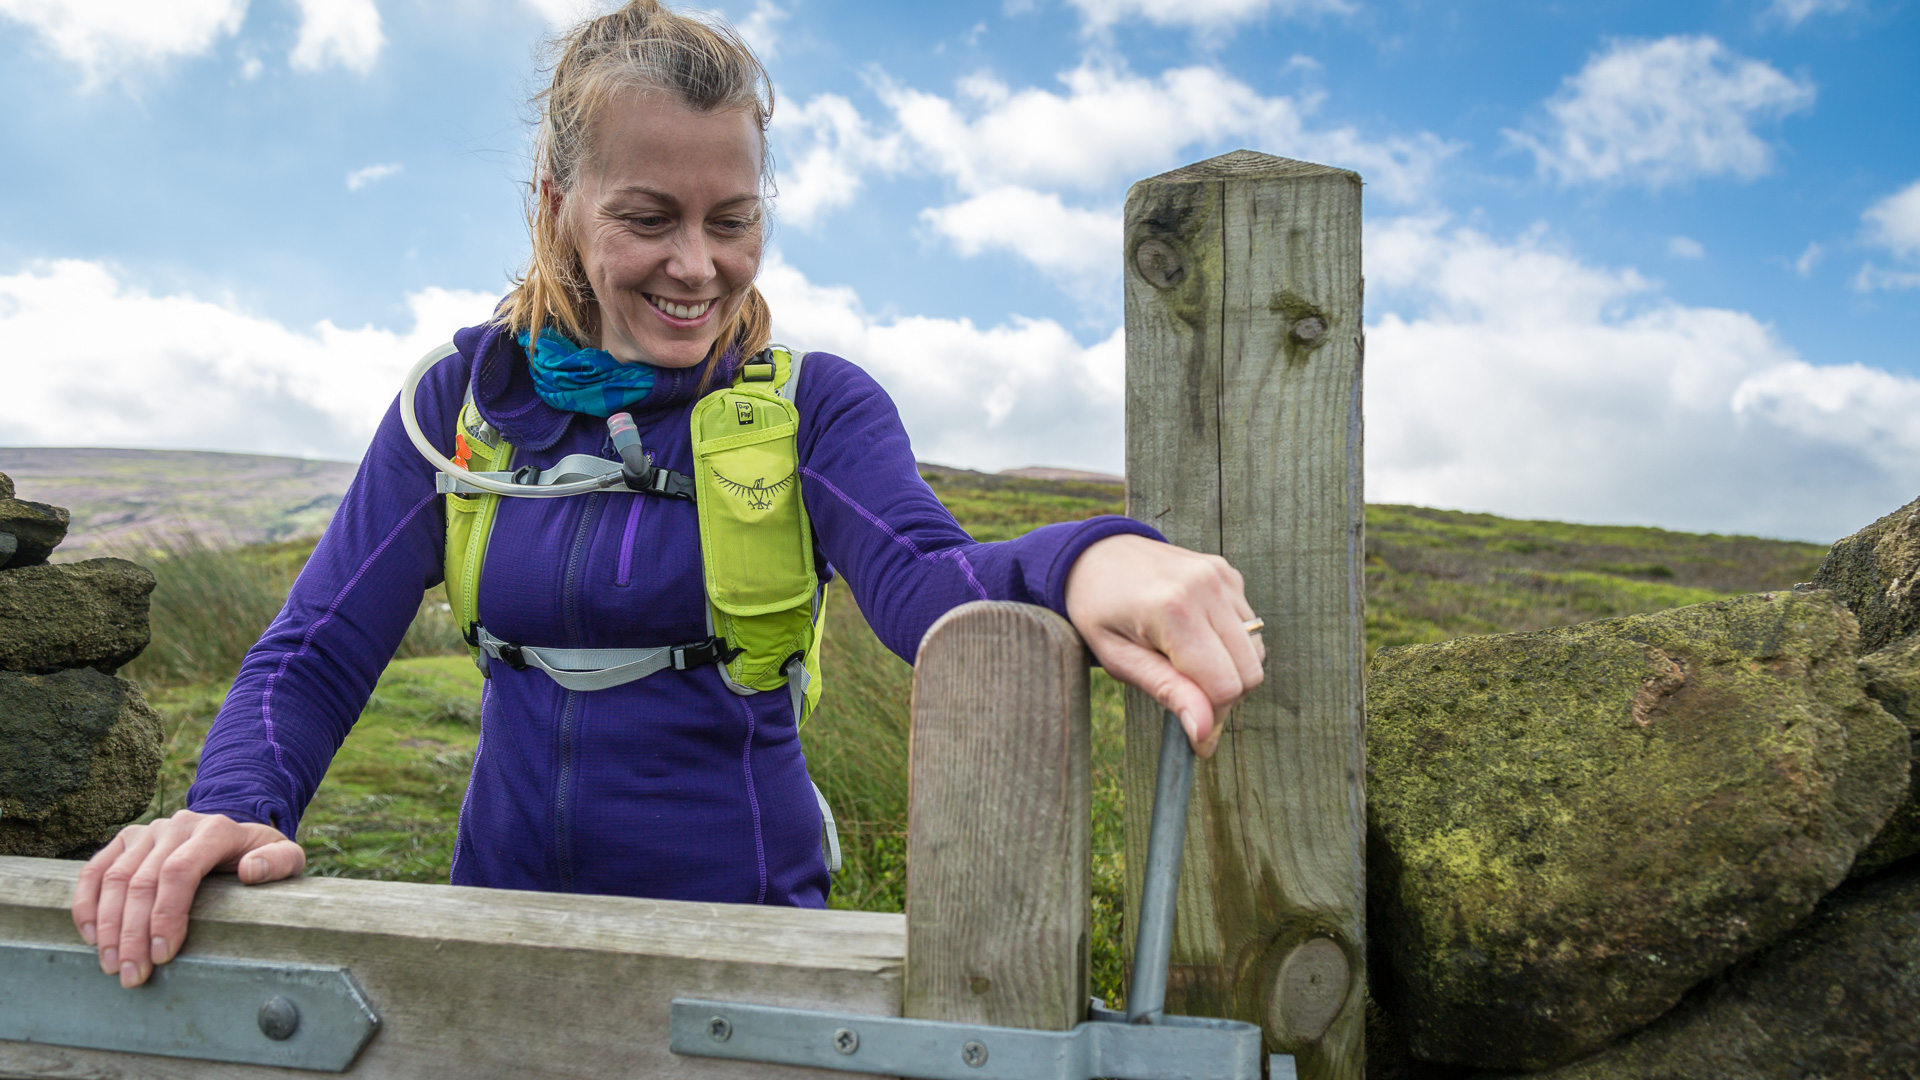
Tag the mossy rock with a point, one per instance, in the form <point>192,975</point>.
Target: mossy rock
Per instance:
<point>79,757</point>
<point>29,531</point>
<point>1569,828</point>
<point>1876,573</point>
<point>1836,1000</point>
<point>1893,680</point>
<point>68,615</point>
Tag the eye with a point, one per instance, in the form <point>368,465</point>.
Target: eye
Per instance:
<point>648,221</point>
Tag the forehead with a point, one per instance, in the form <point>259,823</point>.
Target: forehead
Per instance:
<point>648,138</point>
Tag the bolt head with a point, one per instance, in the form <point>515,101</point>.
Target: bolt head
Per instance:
<point>974,1054</point>
<point>846,1040</point>
<point>719,1029</point>
<point>279,1018</point>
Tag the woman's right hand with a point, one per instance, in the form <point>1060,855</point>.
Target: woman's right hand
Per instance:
<point>132,898</point>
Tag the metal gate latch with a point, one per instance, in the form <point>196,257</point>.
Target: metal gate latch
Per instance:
<point>1142,1043</point>
<point>295,1016</point>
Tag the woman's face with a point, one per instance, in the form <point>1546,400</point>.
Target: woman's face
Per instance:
<point>669,224</point>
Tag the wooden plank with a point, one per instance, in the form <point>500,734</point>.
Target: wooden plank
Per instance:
<point>486,983</point>
<point>999,847</point>
<point>1244,437</point>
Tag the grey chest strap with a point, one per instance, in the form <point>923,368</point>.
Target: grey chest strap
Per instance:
<point>598,669</point>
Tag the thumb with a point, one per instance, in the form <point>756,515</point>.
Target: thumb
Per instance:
<point>271,862</point>
<point>1152,672</point>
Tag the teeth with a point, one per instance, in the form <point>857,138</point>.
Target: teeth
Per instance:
<point>681,311</point>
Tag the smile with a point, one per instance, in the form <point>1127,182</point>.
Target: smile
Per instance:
<point>683,312</point>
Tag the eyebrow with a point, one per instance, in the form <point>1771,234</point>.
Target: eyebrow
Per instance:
<point>636,189</point>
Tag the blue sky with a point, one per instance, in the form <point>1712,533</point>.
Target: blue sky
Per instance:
<point>1637,262</point>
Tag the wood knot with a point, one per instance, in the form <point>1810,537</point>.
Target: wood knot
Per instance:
<point>1309,990</point>
<point>1160,263</point>
<point>1669,675</point>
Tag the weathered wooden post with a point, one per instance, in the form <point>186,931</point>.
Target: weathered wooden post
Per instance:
<point>999,847</point>
<point>1243,330</point>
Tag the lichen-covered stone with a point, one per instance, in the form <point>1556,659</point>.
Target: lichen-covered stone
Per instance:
<point>1876,573</point>
<point>34,530</point>
<point>6,486</point>
<point>64,615</point>
<point>1839,999</point>
<point>79,757</point>
<point>1569,828</point>
<point>1893,679</point>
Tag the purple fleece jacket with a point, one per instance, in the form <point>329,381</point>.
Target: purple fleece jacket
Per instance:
<point>671,786</point>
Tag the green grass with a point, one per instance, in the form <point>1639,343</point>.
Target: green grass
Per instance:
<point>388,805</point>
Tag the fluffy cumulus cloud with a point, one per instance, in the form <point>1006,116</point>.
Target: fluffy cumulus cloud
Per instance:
<point>107,37</point>
<point>1021,157</point>
<point>1655,113</point>
<point>1515,378</point>
<point>1022,392</point>
<point>1200,14</point>
<point>338,32</point>
<point>1894,224</point>
<point>200,374</point>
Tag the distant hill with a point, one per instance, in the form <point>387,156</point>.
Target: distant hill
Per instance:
<point>118,497</point>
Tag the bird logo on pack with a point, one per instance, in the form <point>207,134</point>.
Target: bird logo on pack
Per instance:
<point>759,494</point>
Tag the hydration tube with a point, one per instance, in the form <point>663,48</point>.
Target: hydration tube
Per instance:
<point>496,487</point>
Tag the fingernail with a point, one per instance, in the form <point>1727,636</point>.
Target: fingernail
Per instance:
<point>129,975</point>
<point>160,950</point>
<point>256,866</point>
<point>110,960</point>
<point>87,934</point>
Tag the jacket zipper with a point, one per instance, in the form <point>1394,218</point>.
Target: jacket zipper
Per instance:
<point>569,713</point>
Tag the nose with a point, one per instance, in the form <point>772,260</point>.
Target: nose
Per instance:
<point>692,260</point>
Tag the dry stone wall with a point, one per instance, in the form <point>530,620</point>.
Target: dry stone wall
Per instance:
<point>79,748</point>
<point>1656,846</point>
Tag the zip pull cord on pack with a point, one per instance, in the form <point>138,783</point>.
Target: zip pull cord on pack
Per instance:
<point>575,474</point>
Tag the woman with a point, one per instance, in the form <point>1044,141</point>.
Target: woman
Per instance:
<point>647,221</point>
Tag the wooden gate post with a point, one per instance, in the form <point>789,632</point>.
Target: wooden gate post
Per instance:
<point>999,846</point>
<point>1243,331</point>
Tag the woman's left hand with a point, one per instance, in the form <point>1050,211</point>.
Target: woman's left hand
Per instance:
<point>1171,622</point>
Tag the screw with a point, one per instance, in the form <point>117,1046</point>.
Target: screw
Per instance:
<point>1309,329</point>
<point>279,1018</point>
<point>719,1029</point>
<point>846,1040</point>
<point>974,1054</point>
<point>1159,263</point>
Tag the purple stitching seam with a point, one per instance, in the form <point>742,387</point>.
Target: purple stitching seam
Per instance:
<point>625,576</point>
<point>753,799</point>
<point>266,694</point>
<point>966,569</point>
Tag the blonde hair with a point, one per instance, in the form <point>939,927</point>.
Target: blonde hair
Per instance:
<point>643,46</point>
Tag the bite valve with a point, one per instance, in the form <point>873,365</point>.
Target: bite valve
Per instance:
<point>634,465</point>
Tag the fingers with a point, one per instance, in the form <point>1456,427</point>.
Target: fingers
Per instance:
<point>86,890</point>
<point>135,840</point>
<point>1154,673</point>
<point>136,912</point>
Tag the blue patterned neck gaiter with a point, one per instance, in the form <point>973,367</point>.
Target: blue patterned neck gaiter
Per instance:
<point>589,381</point>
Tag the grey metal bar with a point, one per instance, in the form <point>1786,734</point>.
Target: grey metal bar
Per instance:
<point>1180,1048</point>
<point>1166,838</point>
<point>295,1016</point>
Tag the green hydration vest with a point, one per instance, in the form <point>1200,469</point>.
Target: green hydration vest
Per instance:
<point>763,596</point>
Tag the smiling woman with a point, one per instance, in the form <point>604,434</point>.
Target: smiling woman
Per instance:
<point>648,616</point>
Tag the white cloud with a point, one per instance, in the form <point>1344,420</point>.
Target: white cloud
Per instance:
<point>760,28</point>
<point>1795,12</point>
<point>1662,112</point>
<point>1514,378</point>
<point>568,12</point>
<point>371,174</point>
<point>105,37</point>
<point>1894,222</point>
<point>1200,14</point>
<point>839,147</point>
<point>1685,247</point>
<point>1023,392</point>
<point>1035,226</point>
<point>1808,259</point>
<point>199,374</point>
<point>343,32</point>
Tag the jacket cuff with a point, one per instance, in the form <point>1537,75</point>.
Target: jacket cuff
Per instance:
<point>1090,532</point>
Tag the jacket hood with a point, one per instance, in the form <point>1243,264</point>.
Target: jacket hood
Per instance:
<point>504,393</point>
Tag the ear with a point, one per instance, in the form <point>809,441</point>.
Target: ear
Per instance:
<point>554,199</point>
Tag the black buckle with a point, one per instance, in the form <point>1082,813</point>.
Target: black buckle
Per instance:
<point>714,650</point>
<point>663,482</point>
<point>471,635</point>
<point>512,655</point>
<point>760,368</point>
<point>526,474</point>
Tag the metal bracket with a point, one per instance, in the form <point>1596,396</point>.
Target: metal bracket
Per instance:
<point>295,1016</point>
<point>1176,1048</point>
